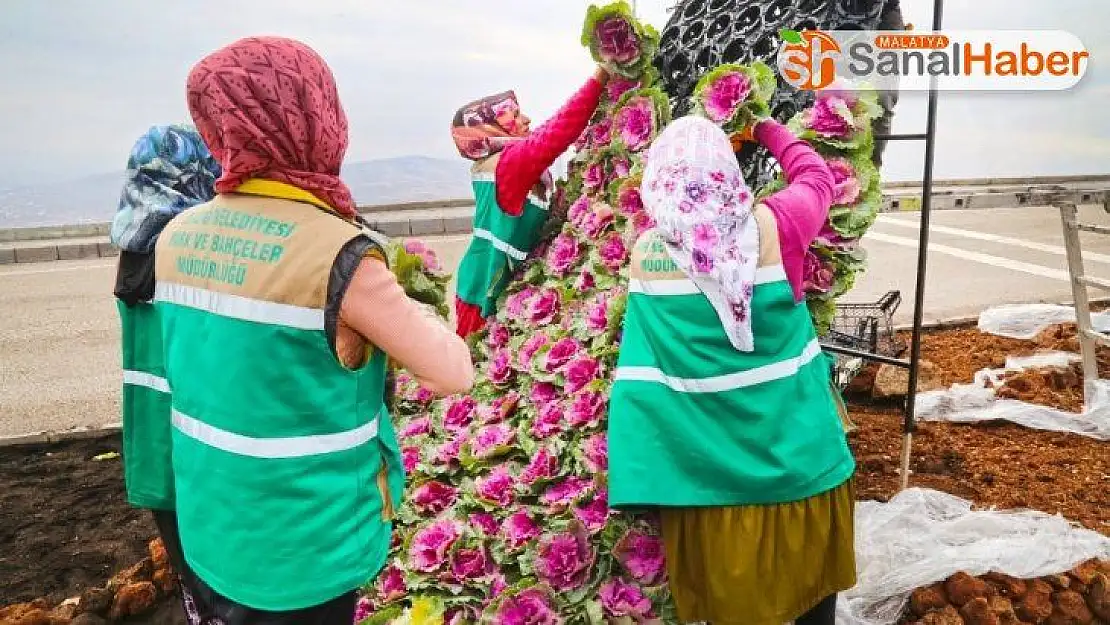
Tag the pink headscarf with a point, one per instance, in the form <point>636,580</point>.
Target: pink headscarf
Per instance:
<point>268,108</point>
<point>482,128</point>
<point>702,208</point>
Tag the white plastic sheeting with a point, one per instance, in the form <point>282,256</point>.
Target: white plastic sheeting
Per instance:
<point>1025,321</point>
<point>924,536</point>
<point>975,402</point>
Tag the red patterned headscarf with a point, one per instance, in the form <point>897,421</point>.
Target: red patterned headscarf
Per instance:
<point>483,127</point>
<point>268,108</point>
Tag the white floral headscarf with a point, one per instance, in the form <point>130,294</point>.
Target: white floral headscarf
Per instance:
<point>702,208</point>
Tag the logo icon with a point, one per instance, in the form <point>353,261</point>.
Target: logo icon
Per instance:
<point>808,58</point>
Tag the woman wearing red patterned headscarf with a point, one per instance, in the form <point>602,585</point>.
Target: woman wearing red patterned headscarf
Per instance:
<point>511,188</point>
<point>278,316</point>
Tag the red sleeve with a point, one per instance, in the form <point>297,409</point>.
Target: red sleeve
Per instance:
<point>522,163</point>
<point>802,208</point>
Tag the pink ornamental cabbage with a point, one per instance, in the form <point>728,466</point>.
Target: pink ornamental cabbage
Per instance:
<point>543,466</point>
<point>594,177</point>
<point>529,607</point>
<point>548,421</point>
<point>416,427</point>
<point>585,280</point>
<point>500,408</point>
<point>543,307</point>
<point>618,86</point>
<point>500,368</point>
<point>566,493</point>
<point>543,393</point>
<point>636,123</point>
<point>621,167</point>
<point>724,96</point>
<point>829,116</point>
<point>630,202</point>
<point>460,615</point>
<point>613,252</point>
<point>586,410</point>
<point>578,209</point>
<point>617,41</point>
<point>530,347</point>
<point>496,487</point>
<point>471,564</point>
<point>518,529</point>
<point>491,438</point>
<point>601,133</point>
<point>431,544</point>
<point>363,609</point>
<point>390,585</point>
<point>594,514</point>
<point>420,395</point>
<point>564,561</point>
<point>433,497</point>
<point>624,600</point>
<point>560,354</point>
<point>817,275</point>
<point>846,185</point>
<point>562,254</point>
<point>459,413</point>
<point>643,556</point>
<point>410,458</point>
<point>497,336</point>
<point>597,314</point>
<point>484,522</point>
<point>580,373</point>
<point>596,221</point>
<point>596,452</point>
<point>448,452</point>
<point>515,304</point>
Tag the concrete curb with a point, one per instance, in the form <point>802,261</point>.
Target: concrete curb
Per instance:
<point>46,438</point>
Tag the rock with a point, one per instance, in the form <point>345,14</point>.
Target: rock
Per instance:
<point>88,619</point>
<point>95,600</point>
<point>158,555</point>
<point>925,600</point>
<point>962,588</point>
<point>1007,586</point>
<point>1098,596</point>
<point>141,571</point>
<point>165,580</point>
<point>64,612</point>
<point>1059,582</point>
<point>978,612</point>
<point>947,616</point>
<point>891,381</point>
<point>36,612</point>
<point>133,599</point>
<point>1036,605</point>
<point>1071,609</point>
<point>1085,573</point>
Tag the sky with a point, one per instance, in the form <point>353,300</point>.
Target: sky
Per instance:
<point>79,80</point>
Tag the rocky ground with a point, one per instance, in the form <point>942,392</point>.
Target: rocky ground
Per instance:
<point>66,526</point>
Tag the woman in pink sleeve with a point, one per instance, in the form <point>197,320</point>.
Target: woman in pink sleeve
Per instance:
<point>511,188</point>
<point>722,417</point>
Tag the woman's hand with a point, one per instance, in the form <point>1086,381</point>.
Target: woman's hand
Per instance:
<point>601,75</point>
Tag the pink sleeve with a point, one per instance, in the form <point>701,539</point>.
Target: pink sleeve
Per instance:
<point>522,163</point>
<point>377,308</point>
<point>802,208</point>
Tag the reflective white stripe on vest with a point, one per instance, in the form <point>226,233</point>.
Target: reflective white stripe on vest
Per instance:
<point>498,244</point>
<point>686,286</point>
<point>721,383</point>
<point>481,177</point>
<point>239,307</point>
<point>148,380</point>
<point>272,448</point>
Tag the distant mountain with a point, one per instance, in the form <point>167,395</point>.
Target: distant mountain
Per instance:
<point>94,198</point>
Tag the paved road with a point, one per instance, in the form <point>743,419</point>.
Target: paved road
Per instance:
<point>58,336</point>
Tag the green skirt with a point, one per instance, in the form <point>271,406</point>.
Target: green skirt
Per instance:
<point>760,565</point>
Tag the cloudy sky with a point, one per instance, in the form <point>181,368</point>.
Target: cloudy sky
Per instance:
<point>80,80</point>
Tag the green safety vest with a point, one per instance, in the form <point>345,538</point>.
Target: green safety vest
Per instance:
<point>498,245</point>
<point>286,464</point>
<point>695,422</point>
<point>145,403</point>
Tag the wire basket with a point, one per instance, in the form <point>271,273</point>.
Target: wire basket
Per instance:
<point>866,328</point>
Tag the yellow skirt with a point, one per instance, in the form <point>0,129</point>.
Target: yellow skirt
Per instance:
<point>760,565</point>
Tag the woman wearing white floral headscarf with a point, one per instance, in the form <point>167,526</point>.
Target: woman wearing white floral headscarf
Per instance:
<point>722,416</point>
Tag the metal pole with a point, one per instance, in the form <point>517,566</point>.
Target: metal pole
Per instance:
<point>1069,217</point>
<point>922,258</point>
